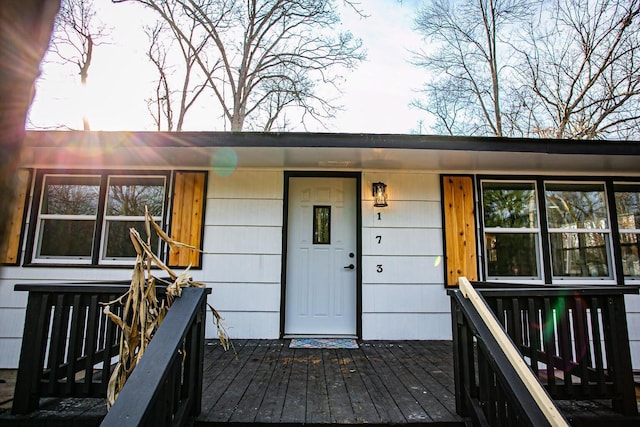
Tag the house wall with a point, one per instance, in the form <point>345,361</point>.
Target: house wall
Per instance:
<point>243,241</point>
<point>242,263</point>
<point>407,299</point>
<point>243,238</point>
<point>632,304</point>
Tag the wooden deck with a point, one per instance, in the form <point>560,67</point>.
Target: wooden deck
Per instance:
<point>266,382</point>
<point>380,383</point>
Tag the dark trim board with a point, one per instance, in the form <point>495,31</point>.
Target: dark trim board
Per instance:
<point>285,225</point>
<point>117,139</point>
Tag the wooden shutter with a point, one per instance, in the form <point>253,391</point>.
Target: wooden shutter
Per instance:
<point>459,227</point>
<point>187,217</point>
<point>10,247</point>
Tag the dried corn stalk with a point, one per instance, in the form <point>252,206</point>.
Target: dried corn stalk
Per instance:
<point>143,311</point>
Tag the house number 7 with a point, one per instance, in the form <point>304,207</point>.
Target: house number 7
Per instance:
<point>379,239</point>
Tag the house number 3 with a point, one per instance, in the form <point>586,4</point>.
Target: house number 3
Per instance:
<point>379,268</point>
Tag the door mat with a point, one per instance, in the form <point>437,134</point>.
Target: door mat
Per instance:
<point>323,343</point>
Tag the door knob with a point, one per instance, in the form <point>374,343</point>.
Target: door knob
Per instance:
<point>350,266</point>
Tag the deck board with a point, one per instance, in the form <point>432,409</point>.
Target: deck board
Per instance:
<point>266,382</point>
<point>381,382</point>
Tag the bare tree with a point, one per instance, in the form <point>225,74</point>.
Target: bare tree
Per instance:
<point>467,65</point>
<point>178,89</point>
<point>77,31</point>
<point>581,69</point>
<point>263,56</point>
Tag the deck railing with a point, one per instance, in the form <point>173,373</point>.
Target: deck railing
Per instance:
<point>68,344</point>
<point>165,388</point>
<point>492,384</point>
<point>69,348</point>
<point>574,340</point>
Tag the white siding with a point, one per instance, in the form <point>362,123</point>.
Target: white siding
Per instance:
<point>632,305</point>
<point>243,241</point>
<point>403,295</point>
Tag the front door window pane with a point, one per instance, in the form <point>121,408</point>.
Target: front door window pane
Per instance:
<point>321,225</point>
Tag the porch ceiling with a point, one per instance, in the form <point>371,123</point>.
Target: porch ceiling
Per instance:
<point>328,152</point>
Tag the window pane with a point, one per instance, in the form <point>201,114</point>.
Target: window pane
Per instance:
<point>322,225</point>
<point>628,206</point>
<point>69,195</point>
<point>512,254</point>
<point>579,254</point>
<point>509,205</point>
<point>66,238</point>
<point>129,195</point>
<point>576,206</point>
<point>119,243</point>
<point>630,253</point>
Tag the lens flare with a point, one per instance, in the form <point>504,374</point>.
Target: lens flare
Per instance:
<point>224,161</point>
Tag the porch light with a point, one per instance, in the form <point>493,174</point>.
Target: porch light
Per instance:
<point>379,192</point>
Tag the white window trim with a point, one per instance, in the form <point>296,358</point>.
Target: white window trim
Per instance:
<point>508,230</point>
<point>102,260</point>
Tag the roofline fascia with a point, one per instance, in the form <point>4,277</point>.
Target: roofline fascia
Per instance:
<point>131,139</point>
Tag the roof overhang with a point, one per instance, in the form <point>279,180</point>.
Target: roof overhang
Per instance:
<point>76,149</point>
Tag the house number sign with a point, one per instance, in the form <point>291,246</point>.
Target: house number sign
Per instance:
<point>379,268</point>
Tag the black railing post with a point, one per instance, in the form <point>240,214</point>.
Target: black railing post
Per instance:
<point>619,356</point>
<point>456,320</point>
<point>32,353</point>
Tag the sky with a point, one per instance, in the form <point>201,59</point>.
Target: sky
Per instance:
<point>375,98</point>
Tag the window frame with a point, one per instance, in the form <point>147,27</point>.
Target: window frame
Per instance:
<point>544,252</point>
<point>620,231</point>
<point>536,231</point>
<point>99,238</point>
<point>607,232</point>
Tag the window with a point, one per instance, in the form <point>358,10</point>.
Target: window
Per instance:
<point>322,225</point>
<point>85,218</point>
<point>551,230</point>
<point>511,229</point>
<point>627,198</point>
<point>579,231</point>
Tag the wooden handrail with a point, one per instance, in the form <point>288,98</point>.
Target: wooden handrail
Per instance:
<point>532,384</point>
<point>165,387</point>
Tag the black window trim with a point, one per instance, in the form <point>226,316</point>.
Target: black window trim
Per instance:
<point>29,259</point>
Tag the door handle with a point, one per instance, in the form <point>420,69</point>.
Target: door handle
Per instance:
<point>350,267</point>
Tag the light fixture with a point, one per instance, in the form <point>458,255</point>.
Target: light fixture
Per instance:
<point>379,192</point>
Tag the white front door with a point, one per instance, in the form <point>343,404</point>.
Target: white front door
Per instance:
<point>321,257</point>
